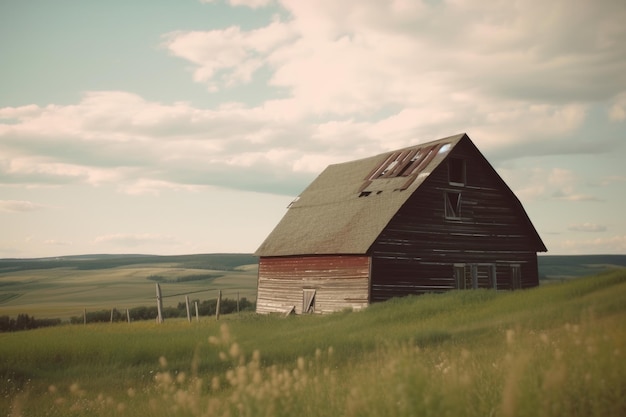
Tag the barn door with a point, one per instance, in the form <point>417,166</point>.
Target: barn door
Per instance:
<point>308,301</point>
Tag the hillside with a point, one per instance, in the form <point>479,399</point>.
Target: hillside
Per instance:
<point>212,261</point>
<point>62,287</point>
<point>558,267</point>
<point>555,350</point>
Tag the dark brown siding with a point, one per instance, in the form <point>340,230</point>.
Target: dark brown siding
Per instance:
<point>340,282</point>
<point>418,249</point>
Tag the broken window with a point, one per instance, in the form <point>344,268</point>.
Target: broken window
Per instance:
<point>483,276</point>
<point>453,205</point>
<point>456,171</point>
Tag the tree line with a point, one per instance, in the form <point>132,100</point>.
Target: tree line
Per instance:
<point>25,322</point>
<point>205,308</point>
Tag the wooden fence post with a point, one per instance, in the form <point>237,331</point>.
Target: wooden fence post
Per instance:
<point>188,310</point>
<point>159,304</point>
<point>237,302</point>
<point>197,315</point>
<point>128,315</point>
<point>84,316</point>
<point>112,311</point>
<point>217,307</point>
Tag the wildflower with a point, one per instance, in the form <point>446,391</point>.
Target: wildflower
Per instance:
<point>510,336</point>
<point>234,351</point>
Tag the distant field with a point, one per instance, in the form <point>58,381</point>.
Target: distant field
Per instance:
<point>555,267</point>
<point>63,287</point>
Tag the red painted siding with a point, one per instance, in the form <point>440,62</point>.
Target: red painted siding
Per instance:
<point>340,281</point>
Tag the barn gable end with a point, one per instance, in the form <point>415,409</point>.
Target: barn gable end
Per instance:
<point>432,217</point>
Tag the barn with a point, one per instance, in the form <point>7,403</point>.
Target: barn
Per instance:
<point>428,218</point>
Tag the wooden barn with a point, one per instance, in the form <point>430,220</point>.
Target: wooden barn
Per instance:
<point>429,218</point>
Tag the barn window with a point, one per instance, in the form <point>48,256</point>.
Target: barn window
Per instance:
<point>456,171</point>
<point>453,205</point>
<point>308,301</point>
<point>516,277</point>
<point>483,276</point>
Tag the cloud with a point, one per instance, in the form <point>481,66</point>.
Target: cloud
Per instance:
<point>537,183</point>
<point>606,245</point>
<point>131,240</point>
<point>248,3</point>
<point>55,242</point>
<point>587,227</point>
<point>342,51</point>
<point>227,57</point>
<point>617,112</point>
<point>510,72</point>
<point>19,206</point>
<point>343,80</point>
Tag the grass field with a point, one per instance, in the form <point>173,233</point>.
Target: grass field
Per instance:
<point>555,350</point>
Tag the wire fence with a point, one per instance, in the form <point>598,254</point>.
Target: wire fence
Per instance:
<point>189,305</point>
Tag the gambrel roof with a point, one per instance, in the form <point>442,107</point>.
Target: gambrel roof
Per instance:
<point>348,205</point>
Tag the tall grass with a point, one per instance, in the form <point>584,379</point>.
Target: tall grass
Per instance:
<point>552,351</point>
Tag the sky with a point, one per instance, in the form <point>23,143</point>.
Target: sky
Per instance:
<point>179,127</point>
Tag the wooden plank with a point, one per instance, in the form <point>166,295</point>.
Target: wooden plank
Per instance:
<point>339,282</point>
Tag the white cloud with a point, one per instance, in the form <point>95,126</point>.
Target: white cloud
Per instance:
<point>55,242</point>
<point>508,71</point>
<point>136,239</point>
<point>587,227</point>
<point>536,183</point>
<point>358,77</point>
<point>248,3</point>
<point>146,186</point>
<point>18,206</point>
<point>9,113</point>
<point>227,57</point>
<point>617,112</point>
<point>606,245</point>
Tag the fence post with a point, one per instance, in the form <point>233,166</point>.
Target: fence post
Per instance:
<point>159,304</point>
<point>112,311</point>
<point>197,315</point>
<point>237,302</point>
<point>188,311</point>
<point>217,307</point>
<point>128,315</point>
<point>84,316</point>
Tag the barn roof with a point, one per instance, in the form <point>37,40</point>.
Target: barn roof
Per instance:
<point>349,204</point>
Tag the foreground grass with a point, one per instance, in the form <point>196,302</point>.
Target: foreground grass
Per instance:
<point>551,351</point>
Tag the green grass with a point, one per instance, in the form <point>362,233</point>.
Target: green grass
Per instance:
<point>550,351</point>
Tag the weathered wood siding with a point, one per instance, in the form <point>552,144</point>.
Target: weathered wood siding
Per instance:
<point>417,251</point>
<point>340,281</point>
